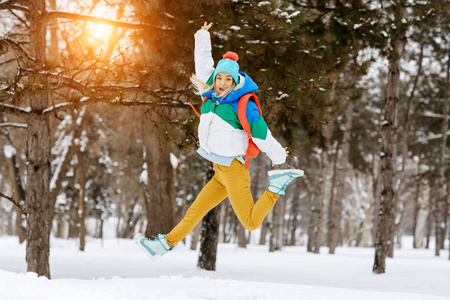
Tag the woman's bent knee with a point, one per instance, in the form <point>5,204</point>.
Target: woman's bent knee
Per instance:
<point>251,227</point>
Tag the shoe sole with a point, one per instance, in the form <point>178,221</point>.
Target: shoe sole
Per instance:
<point>295,171</point>
<point>152,258</point>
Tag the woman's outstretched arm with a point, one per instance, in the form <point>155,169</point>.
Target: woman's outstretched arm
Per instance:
<point>204,63</point>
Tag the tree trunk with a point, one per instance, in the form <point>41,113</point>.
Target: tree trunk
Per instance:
<point>18,190</point>
<point>229,222</point>
<point>376,168</point>
<point>367,225</point>
<point>337,194</point>
<point>295,211</point>
<point>396,217</point>
<point>351,231</point>
<point>431,211</point>
<point>54,40</point>
<point>195,236</point>
<point>441,201</point>
<point>257,170</point>
<point>37,190</point>
<point>276,233</point>
<point>81,175</point>
<point>388,133</point>
<point>131,218</point>
<point>58,177</point>
<point>265,229</point>
<point>317,195</point>
<point>241,234</point>
<point>210,234</point>
<point>161,186</point>
<point>38,154</point>
<point>100,231</point>
<point>73,218</point>
<point>421,215</point>
<point>60,225</point>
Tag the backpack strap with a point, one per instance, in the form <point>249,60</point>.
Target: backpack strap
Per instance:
<point>252,149</point>
<point>196,112</point>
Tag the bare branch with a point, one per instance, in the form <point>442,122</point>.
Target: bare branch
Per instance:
<point>24,22</point>
<point>9,61</point>
<point>9,124</point>
<point>24,211</point>
<point>16,46</point>
<point>74,16</point>
<point>66,80</point>
<point>12,5</point>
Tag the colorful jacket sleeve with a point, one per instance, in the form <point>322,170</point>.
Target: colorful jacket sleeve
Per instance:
<point>204,63</point>
<point>262,136</point>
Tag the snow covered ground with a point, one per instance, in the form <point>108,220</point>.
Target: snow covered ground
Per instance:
<point>120,270</point>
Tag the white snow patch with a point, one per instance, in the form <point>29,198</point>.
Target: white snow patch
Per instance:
<point>9,151</point>
<point>263,3</point>
<point>294,14</point>
<point>174,160</point>
<point>144,177</point>
<point>282,96</point>
<point>118,269</point>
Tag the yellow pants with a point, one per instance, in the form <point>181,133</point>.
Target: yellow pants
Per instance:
<point>234,182</point>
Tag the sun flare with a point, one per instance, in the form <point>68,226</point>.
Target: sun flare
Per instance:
<point>100,33</point>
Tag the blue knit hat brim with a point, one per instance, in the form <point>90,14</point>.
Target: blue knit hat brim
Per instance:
<point>228,66</point>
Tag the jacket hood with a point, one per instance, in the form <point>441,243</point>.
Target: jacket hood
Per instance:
<point>248,87</point>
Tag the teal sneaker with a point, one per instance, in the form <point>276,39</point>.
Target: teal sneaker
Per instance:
<point>156,246</point>
<point>280,179</point>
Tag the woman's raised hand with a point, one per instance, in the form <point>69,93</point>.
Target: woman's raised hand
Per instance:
<point>207,26</point>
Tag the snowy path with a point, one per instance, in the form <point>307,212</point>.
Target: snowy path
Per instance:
<point>119,270</point>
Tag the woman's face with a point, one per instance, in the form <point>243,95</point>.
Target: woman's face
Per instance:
<point>222,82</point>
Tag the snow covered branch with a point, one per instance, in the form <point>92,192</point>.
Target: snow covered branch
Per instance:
<point>14,109</point>
<point>310,6</point>
<point>18,125</point>
<point>126,95</point>
<point>118,101</point>
<point>60,106</point>
<point>432,115</point>
<point>57,107</point>
<point>424,140</point>
<point>64,80</point>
